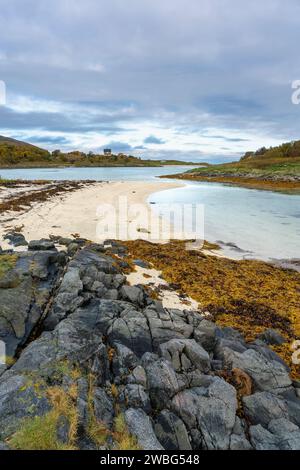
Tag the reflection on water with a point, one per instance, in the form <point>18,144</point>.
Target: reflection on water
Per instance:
<point>99,174</point>
<point>248,223</point>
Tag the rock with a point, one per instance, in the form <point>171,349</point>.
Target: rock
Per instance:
<point>71,282</point>
<point>16,239</point>
<point>24,293</point>
<point>171,432</point>
<point>63,429</point>
<point>262,439</point>
<point>124,360</point>
<point>65,241</point>
<point>41,245</point>
<point>133,294</point>
<point>141,263</point>
<point>67,300</point>
<point>73,248</point>
<point>266,374</point>
<point>111,294</point>
<point>135,396</point>
<point>211,410</point>
<point>19,398</point>
<point>4,446</point>
<point>166,325</point>
<point>140,426</point>
<point>138,376</point>
<point>103,407</point>
<point>122,324</point>
<point>239,443</point>
<point>82,405</point>
<point>287,432</point>
<point>118,281</point>
<point>185,354</point>
<point>262,407</point>
<point>162,383</point>
<point>272,337</point>
<point>205,335</point>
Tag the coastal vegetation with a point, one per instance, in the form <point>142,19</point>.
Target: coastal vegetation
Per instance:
<point>273,168</point>
<point>17,154</point>
<point>222,287</point>
<point>100,365</point>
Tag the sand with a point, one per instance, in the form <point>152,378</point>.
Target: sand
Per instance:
<point>170,298</point>
<point>90,211</point>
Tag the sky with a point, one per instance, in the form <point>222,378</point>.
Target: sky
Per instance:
<point>201,80</point>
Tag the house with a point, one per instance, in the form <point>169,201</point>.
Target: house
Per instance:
<point>107,152</point>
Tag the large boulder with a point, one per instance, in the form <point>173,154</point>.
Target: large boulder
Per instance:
<point>20,397</point>
<point>25,291</point>
<point>262,407</point>
<point>210,410</point>
<point>140,426</point>
<point>267,373</point>
<point>162,383</point>
<point>171,432</point>
<point>185,355</point>
<point>281,434</point>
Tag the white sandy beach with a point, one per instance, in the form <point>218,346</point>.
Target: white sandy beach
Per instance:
<point>81,212</point>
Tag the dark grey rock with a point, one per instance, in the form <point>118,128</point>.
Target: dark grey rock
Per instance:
<point>205,335</point>
<point>211,410</point>
<point>271,336</point>
<point>16,239</point>
<point>24,293</point>
<point>4,446</point>
<point>267,374</point>
<point>185,354</point>
<point>133,294</point>
<point>41,245</point>
<point>19,399</point>
<point>103,407</point>
<point>65,241</point>
<point>162,383</point>
<point>73,248</point>
<point>122,324</point>
<point>140,426</point>
<point>63,429</point>
<point>82,405</point>
<point>135,396</point>
<point>124,360</point>
<point>238,442</point>
<point>171,432</point>
<point>262,407</point>
<point>138,376</point>
<point>141,263</point>
<point>262,439</point>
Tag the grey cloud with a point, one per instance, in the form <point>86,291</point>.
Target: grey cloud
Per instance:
<point>216,63</point>
<point>153,140</point>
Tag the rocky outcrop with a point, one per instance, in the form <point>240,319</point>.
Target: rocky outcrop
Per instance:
<point>128,367</point>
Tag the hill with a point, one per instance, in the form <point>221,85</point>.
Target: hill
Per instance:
<point>17,154</point>
<point>272,168</point>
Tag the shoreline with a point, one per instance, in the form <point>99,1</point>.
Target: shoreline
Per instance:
<point>41,209</point>
<point>75,213</point>
<point>291,187</point>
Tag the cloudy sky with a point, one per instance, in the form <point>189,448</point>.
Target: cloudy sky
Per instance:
<point>197,79</point>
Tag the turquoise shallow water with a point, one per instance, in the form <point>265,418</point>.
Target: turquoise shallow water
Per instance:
<point>261,224</point>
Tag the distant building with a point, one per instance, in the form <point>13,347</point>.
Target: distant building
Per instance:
<point>107,152</point>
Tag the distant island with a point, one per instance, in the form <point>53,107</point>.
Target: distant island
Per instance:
<point>17,154</point>
<point>275,168</point>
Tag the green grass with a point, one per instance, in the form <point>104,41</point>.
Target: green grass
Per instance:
<point>7,262</point>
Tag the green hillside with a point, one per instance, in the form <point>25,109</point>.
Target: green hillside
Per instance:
<point>268,168</point>
<point>17,154</point>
